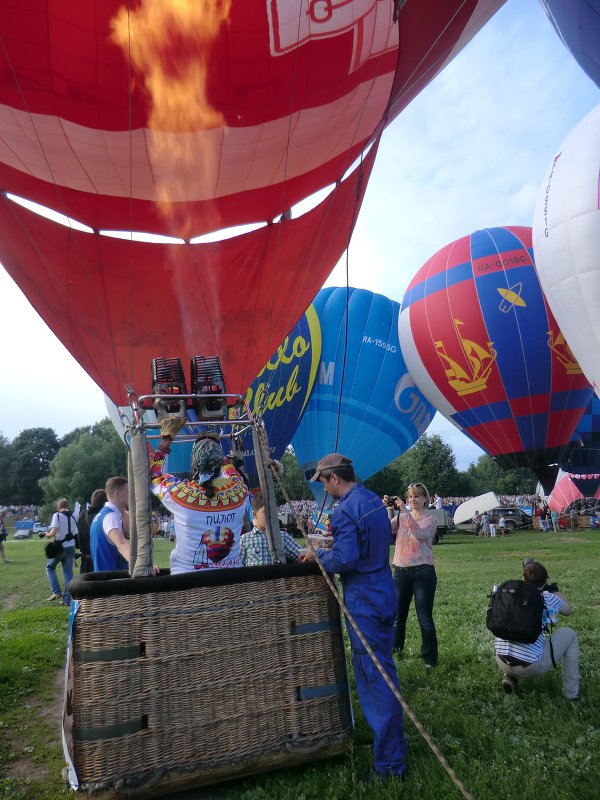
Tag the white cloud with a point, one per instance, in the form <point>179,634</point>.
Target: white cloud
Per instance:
<point>41,384</point>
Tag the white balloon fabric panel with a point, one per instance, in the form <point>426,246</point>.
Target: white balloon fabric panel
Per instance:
<point>566,242</point>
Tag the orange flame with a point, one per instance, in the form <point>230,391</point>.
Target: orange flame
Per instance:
<point>169,44</point>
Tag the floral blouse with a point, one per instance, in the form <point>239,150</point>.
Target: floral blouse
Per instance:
<point>414,540</point>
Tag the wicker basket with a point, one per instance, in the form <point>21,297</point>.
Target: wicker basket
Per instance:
<point>180,681</point>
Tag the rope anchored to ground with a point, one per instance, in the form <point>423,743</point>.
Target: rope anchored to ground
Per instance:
<point>406,708</point>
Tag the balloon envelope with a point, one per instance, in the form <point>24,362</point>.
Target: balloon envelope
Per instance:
<point>381,412</point>
<point>566,241</point>
<point>483,347</point>
<point>577,22</point>
<point>185,119</point>
<point>563,494</point>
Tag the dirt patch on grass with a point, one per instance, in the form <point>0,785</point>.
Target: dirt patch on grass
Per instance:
<point>47,713</point>
<point>10,602</point>
<point>571,539</point>
<point>23,767</point>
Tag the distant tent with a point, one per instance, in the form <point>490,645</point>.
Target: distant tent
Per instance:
<point>570,487</point>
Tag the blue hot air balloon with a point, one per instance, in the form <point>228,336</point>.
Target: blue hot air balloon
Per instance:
<point>280,392</point>
<point>381,413</point>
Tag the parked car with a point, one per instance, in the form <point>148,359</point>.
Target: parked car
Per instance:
<point>444,520</point>
<point>40,529</point>
<point>25,529</point>
<point>287,522</point>
<point>514,518</point>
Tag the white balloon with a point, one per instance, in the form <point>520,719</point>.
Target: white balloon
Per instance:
<point>566,242</point>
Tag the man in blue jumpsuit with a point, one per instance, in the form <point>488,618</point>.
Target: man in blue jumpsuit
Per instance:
<point>360,555</point>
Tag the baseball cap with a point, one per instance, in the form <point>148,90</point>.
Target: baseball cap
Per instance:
<point>329,462</point>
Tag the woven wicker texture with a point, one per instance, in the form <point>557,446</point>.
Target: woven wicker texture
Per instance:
<point>187,687</point>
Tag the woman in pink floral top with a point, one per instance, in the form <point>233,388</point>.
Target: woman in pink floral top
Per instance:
<point>414,573</point>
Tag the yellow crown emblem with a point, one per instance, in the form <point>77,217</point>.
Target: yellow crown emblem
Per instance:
<point>563,352</point>
<point>480,362</point>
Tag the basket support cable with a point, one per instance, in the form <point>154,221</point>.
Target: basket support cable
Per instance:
<point>263,460</point>
<point>132,522</point>
<point>397,694</point>
<point>141,480</point>
<point>265,476</point>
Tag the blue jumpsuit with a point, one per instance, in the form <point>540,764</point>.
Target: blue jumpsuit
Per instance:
<point>360,554</point>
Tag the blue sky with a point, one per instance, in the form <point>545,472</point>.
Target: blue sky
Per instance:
<point>469,152</point>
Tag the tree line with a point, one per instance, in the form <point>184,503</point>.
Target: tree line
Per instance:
<point>432,462</point>
<point>39,467</point>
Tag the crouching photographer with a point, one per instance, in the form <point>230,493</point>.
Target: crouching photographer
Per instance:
<point>527,659</point>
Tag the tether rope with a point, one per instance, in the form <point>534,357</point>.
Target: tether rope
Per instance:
<point>130,113</point>
<point>397,694</point>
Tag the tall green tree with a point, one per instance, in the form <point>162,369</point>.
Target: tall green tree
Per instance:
<point>30,455</point>
<point>487,476</point>
<point>84,465</point>
<point>430,461</point>
<point>293,479</point>
<point>389,480</point>
<point>73,435</point>
<point>5,489</point>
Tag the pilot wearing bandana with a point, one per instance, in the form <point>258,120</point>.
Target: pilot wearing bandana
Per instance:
<point>209,510</point>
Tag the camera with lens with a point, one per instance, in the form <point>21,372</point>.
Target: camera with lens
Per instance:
<point>551,587</point>
<point>391,501</point>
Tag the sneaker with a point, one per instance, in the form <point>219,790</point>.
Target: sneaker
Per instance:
<point>510,684</point>
<point>53,597</point>
<point>68,605</point>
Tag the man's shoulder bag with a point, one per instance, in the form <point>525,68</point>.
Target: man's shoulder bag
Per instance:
<point>53,548</point>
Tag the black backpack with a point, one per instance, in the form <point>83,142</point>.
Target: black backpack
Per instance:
<point>515,612</point>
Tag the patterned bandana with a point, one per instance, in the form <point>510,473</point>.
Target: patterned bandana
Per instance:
<point>207,460</point>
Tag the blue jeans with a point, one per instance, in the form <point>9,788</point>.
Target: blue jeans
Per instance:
<point>419,581</point>
<point>565,646</point>
<point>66,559</point>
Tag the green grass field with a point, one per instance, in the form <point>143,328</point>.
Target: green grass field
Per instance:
<point>499,745</point>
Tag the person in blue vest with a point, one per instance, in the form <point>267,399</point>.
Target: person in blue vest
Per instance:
<point>108,544</point>
<point>360,554</point>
